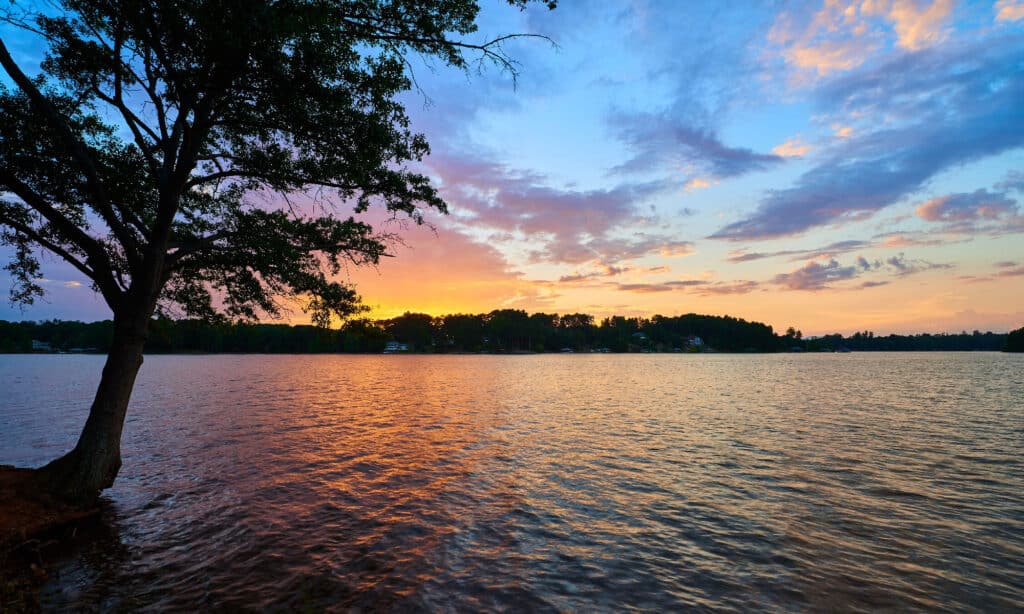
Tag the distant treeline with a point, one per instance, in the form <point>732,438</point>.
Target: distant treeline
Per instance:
<point>500,331</point>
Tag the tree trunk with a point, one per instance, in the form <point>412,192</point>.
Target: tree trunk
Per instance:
<point>92,465</point>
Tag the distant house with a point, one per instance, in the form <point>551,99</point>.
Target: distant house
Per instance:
<point>694,341</point>
<point>393,347</point>
<point>41,346</point>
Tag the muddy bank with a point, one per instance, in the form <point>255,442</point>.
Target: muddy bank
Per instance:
<point>27,513</point>
<point>30,521</point>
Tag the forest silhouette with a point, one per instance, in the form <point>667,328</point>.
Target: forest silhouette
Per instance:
<point>500,331</point>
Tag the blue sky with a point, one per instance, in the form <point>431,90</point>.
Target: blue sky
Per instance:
<point>835,166</point>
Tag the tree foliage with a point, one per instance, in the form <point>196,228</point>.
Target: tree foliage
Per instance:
<point>1015,341</point>
<point>539,332</point>
<point>144,151</point>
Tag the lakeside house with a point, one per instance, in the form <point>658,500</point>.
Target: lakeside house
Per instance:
<point>394,347</point>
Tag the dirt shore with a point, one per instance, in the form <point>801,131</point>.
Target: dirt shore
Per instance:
<point>27,513</point>
<point>29,520</point>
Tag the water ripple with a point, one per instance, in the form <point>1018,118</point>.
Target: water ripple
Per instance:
<point>546,483</point>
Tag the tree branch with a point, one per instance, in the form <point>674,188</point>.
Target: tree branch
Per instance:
<point>192,247</point>
<point>34,236</point>
<point>150,86</point>
<point>78,150</point>
<point>96,254</point>
<point>229,173</point>
<point>135,124</point>
<point>491,49</point>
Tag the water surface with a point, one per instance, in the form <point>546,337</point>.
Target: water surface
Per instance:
<point>549,482</point>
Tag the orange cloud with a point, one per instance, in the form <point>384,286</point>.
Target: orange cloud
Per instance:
<point>676,249</point>
<point>840,36</point>
<point>696,184</point>
<point>843,132</point>
<point>918,27</point>
<point>978,205</point>
<point>793,148</point>
<point>827,57</point>
<point>1009,10</point>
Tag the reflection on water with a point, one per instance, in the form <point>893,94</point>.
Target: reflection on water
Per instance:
<point>576,482</point>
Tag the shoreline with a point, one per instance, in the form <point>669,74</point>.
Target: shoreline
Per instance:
<point>30,522</point>
<point>524,353</point>
<point>27,515</point>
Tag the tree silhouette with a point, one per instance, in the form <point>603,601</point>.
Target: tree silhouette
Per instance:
<point>1015,341</point>
<point>216,102</point>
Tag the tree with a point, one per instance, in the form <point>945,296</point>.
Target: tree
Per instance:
<point>507,329</point>
<point>463,331</point>
<point>415,329</point>
<point>216,102</point>
<point>1015,341</point>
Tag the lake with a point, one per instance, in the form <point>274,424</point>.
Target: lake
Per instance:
<point>581,482</point>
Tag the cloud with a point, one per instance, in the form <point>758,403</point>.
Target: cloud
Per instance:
<point>947,107</point>
<point>917,25</point>
<point>841,36</point>
<point>979,212</point>
<point>61,282</point>
<point>843,132</point>
<point>1014,181</point>
<point>676,249</point>
<point>792,148</point>
<point>978,205</point>
<point>1016,271</point>
<point>697,286</point>
<point>906,239</point>
<point>827,251</point>
<point>825,41</point>
<point>607,271</point>
<point>745,256</point>
<point>1004,269</point>
<point>815,276</point>
<point>555,225</point>
<point>69,295</point>
<point>605,249</point>
<point>696,184</point>
<point>828,56</point>
<point>904,267</point>
<point>646,288</point>
<point>1009,10</point>
<point>687,283</point>
<point>734,287</point>
<point>661,140</point>
<point>665,286</point>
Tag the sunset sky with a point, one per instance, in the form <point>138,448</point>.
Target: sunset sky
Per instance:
<point>834,166</point>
